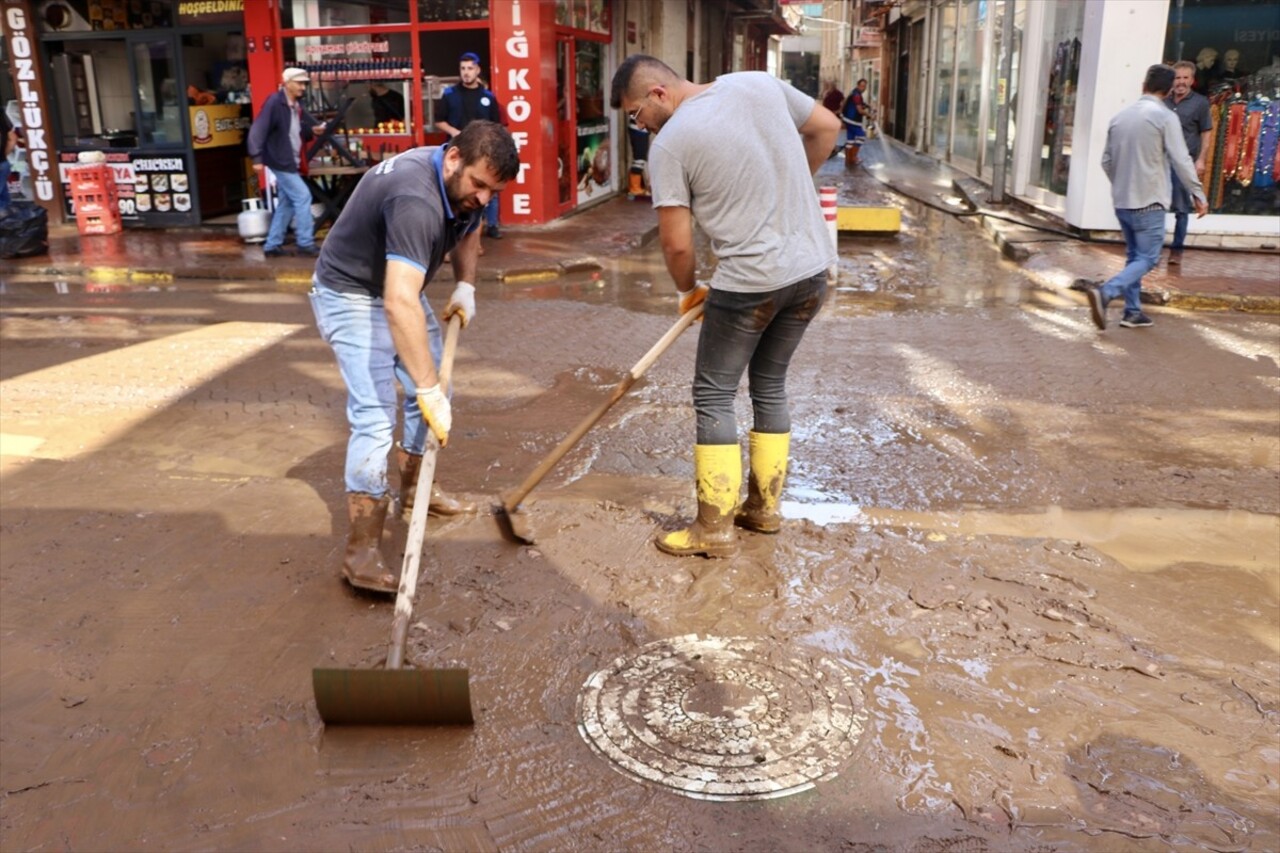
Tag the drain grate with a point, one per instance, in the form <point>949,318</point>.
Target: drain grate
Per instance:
<point>722,719</point>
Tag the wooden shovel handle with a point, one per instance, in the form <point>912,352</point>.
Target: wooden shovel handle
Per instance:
<point>418,519</point>
<point>511,500</point>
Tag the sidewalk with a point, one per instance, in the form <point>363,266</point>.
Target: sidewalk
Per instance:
<point>1049,251</point>
<point>140,255</point>
<point>1052,257</point>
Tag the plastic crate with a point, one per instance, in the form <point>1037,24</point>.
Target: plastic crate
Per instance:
<point>97,213</point>
<point>92,178</point>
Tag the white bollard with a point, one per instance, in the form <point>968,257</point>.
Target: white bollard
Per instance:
<point>827,198</point>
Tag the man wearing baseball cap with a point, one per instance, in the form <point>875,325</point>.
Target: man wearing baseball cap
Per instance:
<point>276,141</point>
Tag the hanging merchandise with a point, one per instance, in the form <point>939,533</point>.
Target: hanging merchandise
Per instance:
<point>1211,149</point>
<point>1217,173</point>
<point>1235,137</point>
<point>1249,156</point>
<point>1264,175</point>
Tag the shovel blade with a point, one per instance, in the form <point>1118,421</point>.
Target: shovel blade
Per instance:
<point>393,697</point>
<point>514,526</point>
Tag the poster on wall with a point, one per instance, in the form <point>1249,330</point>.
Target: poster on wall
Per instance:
<point>595,174</point>
<point>216,125</point>
<point>151,189</point>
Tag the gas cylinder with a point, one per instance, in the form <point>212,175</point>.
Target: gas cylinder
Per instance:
<point>254,221</point>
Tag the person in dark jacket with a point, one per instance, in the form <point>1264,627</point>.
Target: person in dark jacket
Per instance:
<point>464,103</point>
<point>276,141</point>
<point>8,141</point>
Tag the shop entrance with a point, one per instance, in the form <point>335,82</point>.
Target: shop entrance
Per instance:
<point>583,143</point>
<point>219,115</point>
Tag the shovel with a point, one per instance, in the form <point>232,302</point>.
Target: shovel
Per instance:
<point>512,525</point>
<point>399,696</point>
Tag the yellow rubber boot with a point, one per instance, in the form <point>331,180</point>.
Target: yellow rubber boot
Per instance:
<point>762,511</point>
<point>718,469</point>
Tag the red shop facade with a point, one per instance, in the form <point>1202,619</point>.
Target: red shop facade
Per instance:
<point>203,68</point>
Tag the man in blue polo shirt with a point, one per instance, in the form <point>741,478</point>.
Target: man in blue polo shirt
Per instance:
<point>369,300</point>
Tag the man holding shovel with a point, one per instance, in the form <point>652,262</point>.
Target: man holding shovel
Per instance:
<point>774,250</point>
<point>368,295</point>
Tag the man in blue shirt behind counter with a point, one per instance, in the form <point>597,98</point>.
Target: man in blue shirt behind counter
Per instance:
<point>1143,141</point>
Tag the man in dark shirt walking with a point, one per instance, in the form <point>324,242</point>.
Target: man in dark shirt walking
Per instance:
<point>277,141</point>
<point>464,103</point>
<point>1192,110</point>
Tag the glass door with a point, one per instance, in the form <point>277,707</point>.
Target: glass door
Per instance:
<point>566,159</point>
<point>159,99</point>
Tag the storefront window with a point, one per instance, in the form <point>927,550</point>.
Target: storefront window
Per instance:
<point>159,122</point>
<point>91,93</point>
<point>363,79</point>
<point>595,173</point>
<point>1056,104</point>
<point>1010,95</point>
<point>970,33</point>
<point>430,11</point>
<point>942,94</point>
<point>309,14</point>
<point>589,15</point>
<point>1236,48</point>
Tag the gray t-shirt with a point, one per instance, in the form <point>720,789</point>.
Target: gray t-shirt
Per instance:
<point>733,156</point>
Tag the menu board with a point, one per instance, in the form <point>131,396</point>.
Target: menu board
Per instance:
<point>152,189</point>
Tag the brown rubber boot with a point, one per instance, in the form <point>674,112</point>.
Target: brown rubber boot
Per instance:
<point>441,505</point>
<point>362,566</point>
<point>850,156</point>
<point>718,470</point>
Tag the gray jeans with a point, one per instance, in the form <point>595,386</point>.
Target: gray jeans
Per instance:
<point>757,332</point>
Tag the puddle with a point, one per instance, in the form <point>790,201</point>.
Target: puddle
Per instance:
<point>1144,540</point>
<point>821,513</point>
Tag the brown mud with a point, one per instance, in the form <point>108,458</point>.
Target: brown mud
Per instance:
<point>1050,557</point>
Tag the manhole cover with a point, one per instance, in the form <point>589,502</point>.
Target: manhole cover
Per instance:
<point>722,719</point>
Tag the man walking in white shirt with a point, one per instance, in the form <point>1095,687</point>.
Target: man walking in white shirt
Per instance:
<point>1143,141</point>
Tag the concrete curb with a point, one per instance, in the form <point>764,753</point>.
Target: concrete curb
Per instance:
<point>1016,243</point>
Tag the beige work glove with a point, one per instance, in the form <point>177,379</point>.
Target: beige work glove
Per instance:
<point>691,299</point>
<point>463,302</point>
<point>436,411</point>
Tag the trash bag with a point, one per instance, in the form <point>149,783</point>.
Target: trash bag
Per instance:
<point>24,230</point>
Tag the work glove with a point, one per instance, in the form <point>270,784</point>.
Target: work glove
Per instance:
<point>463,302</point>
<point>436,412</point>
<point>690,299</point>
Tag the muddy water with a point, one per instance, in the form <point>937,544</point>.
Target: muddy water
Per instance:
<point>1050,557</point>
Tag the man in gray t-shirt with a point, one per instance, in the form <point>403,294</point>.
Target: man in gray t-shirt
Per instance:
<point>737,156</point>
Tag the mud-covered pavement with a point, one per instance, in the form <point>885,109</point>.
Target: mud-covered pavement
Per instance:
<point>1050,558</point>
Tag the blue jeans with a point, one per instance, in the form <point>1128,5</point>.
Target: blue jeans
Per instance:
<point>1143,237</point>
<point>1180,207</point>
<point>355,326</point>
<point>294,203</point>
<point>756,332</point>
<point>4,182</point>
<point>491,212</point>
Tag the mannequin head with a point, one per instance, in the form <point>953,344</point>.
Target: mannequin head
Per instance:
<point>1206,57</point>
